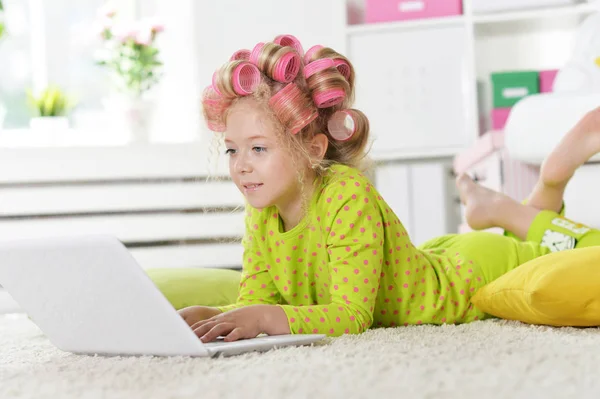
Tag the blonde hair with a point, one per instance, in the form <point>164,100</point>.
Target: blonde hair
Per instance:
<point>291,99</point>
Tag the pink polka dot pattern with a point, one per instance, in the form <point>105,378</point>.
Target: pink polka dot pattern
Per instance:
<point>358,267</point>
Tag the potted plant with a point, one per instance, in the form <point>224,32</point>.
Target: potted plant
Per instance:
<point>51,107</point>
<point>130,54</point>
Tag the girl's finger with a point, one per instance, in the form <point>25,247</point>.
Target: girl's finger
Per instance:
<point>200,323</point>
<point>216,331</point>
<point>204,327</point>
<point>236,334</point>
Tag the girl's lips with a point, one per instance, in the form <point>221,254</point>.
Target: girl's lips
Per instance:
<point>252,187</point>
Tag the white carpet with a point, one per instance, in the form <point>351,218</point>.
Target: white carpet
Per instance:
<point>491,359</point>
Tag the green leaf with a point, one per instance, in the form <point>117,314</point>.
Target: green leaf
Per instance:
<point>51,102</point>
<point>135,66</point>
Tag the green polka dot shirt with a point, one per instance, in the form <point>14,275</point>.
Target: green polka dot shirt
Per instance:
<point>349,265</point>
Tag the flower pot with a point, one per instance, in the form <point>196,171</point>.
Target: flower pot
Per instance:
<point>49,124</point>
<point>132,115</point>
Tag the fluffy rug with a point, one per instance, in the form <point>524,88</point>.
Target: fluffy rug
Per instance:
<point>490,359</point>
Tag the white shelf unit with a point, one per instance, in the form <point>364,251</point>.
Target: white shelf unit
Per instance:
<point>542,13</point>
<point>474,46</point>
<point>413,147</point>
<point>415,155</point>
<point>404,25</point>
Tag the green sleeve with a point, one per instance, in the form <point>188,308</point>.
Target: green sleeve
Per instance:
<point>355,245</point>
<point>256,285</point>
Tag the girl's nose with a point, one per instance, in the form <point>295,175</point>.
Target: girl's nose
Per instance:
<point>243,164</point>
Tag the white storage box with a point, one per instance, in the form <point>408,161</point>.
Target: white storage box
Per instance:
<point>490,6</point>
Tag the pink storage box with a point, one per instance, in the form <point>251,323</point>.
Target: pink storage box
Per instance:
<point>499,118</point>
<point>547,81</point>
<point>402,10</point>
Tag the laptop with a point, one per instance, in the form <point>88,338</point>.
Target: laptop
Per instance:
<point>90,296</point>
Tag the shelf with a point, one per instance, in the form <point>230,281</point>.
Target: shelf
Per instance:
<point>414,154</point>
<point>539,13</point>
<point>491,18</point>
<point>405,25</point>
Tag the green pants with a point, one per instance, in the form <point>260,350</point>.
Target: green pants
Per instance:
<point>496,254</point>
<point>464,263</point>
<point>549,232</point>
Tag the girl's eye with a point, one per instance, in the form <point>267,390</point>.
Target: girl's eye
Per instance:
<point>259,149</point>
<point>229,151</point>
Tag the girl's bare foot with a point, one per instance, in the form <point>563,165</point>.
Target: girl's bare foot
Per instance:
<point>480,203</point>
<point>486,208</point>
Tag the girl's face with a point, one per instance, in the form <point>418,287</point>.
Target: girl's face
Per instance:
<point>261,169</point>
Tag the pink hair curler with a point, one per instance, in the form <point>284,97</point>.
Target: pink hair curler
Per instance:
<point>240,55</point>
<point>341,125</point>
<point>214,83</point>
<point>317,66</point>
<point>329,98</point>
<point>287,68</point>
<point>311,51</point>
<point>284,105</point>
<point>256,53</point>
<point>307,117</point>
<point>214,107</point>
<point>216,127</point>
<point>290,41</point>
<point>211,94</point>
<point>288,92</point>
<point>343,67</point>
<point>245,78</point>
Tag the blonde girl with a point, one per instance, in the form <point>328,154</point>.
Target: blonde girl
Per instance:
<point>323,251</point>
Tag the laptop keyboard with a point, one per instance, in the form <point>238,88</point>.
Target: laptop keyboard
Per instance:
<point>221,341</point>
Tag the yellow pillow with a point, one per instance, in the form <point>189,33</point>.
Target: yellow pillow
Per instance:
<point>559,289</point>
<point>185,287</point>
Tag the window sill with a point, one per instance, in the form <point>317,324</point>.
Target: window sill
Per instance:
<point>27,138</point>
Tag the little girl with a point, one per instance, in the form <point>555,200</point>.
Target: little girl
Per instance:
<point>324,253</point>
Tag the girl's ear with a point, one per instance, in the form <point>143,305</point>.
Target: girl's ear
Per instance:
<point>319,146</point>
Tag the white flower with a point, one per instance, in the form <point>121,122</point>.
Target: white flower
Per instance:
<point>128,52</point>
<point>127,65</point>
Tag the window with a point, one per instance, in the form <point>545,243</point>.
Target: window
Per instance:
<point>53,43</point>
<point>15,62</point>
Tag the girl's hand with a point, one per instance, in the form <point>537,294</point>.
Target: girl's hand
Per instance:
<point>246,322</point>
<point>194,314</point>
